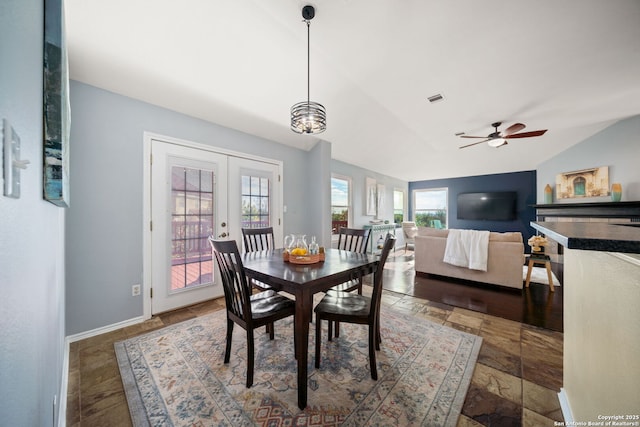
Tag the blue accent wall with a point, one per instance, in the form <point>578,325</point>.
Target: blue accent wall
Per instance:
<point>524,183</point>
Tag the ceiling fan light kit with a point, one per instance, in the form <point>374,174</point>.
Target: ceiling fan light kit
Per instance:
<point>498,139</point>
<point>495,143</point>
<point>308,117</point>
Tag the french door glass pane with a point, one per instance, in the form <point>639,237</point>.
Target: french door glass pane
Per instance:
<point>255,201</point>
<point>191,224</point>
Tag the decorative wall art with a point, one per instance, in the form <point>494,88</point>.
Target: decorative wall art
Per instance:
<point>371,200</point>
<point>56,109</point>
<point>592,182</point>
<point>380,200</point>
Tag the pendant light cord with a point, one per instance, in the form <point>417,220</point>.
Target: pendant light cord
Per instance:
<point>308,61</point>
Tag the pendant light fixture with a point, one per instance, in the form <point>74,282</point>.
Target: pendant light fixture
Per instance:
<point>308,117</point>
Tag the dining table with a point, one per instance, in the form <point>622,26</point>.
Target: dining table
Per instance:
<point>303,281</point>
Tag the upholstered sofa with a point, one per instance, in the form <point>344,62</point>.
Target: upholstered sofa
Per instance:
<point>504,264</point>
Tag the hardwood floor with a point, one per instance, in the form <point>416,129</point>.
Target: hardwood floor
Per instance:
<point>516,380</point>
<point>535,305</point>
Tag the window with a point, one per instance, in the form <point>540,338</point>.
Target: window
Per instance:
<point>340,202</point>
<point>430,207</point>
<point>255,202</point>
<point>398,206</point>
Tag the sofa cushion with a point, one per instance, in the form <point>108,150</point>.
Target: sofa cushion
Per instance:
<point>433,232</point>
<point>494,236</point>
<point>505,237</point>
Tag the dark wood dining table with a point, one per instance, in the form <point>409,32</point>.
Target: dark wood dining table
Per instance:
<point>303,281</point>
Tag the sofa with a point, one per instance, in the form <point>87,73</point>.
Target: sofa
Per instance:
<point>504,264</point>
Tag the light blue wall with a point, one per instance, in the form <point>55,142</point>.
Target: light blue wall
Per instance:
<point>105,221</point>
<point>32,238</point>
<point>318,180</point>
<point>358,199</point>
<point>617,146</point>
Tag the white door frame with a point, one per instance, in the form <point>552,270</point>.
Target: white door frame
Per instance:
<point>146,210</point>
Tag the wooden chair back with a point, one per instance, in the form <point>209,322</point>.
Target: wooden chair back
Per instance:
<point>237,292</point>
<point>353,239</point>
<point>376,296</point>
<point>258,239</point>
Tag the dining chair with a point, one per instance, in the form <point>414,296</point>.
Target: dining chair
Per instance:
<point>249,311</point>
<point>410,232</point>
<point>353,240</point>
<point>359,309</point>
<point>258,239</point>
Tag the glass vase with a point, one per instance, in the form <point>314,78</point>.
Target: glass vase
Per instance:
<point>616,192</point>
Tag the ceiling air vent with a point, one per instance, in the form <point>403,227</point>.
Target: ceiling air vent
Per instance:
<point>435,98</point>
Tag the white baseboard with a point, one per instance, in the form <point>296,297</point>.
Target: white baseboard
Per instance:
<point>105,329</point>
<point>64,387</point>
<point>565,407</point>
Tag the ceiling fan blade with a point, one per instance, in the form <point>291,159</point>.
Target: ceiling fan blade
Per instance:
<point>526,134</point>
<point>515,128</point>
<point>469,136</point>
<point>475,143</point>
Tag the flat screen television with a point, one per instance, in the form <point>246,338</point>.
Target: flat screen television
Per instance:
<point>489,206</point>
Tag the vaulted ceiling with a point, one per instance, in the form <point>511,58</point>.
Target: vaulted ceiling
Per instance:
<point>572,67</point>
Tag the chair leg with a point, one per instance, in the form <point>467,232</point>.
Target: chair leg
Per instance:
<point>318,340</point>
<point>271,331</point>
<point>330,328</point>
<point>227,351</point>
<point>295,339</point>
<point>372,352</point>
<point>337,329</point>
<point>250,357</point>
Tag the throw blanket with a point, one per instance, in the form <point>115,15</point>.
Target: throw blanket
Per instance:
<point>467,248</point>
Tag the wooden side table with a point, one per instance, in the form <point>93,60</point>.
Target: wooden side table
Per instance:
<point>540,259</point>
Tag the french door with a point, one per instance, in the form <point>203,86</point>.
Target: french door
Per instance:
<point>196,193</point>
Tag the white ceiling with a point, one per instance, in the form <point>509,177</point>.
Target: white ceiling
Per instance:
<point>570,66</point>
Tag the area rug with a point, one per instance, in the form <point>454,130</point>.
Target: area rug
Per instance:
<point>539,275</point>
<point>400,261</point>
<point>175,376</point>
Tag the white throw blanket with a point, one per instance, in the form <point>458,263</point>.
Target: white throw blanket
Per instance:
<point>467,248</point>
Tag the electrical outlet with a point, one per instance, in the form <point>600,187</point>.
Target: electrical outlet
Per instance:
<point>135,290</point>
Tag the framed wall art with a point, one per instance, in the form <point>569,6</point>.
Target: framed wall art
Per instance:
<point>371,196</point>
<point>380,192</point>
<point>56,109</point>
<point>593,182</point>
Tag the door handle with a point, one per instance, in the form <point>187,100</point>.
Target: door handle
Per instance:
<point>223,235</point>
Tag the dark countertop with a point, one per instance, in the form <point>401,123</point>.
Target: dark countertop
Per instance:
<point>593,236</point>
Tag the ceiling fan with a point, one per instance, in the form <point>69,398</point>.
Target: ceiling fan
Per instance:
<point>498,139</point>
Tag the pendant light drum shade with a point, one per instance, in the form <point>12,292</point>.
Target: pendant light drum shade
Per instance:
<point>308,117</point>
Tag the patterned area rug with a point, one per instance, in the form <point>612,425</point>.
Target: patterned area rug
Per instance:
<point>175,376</point>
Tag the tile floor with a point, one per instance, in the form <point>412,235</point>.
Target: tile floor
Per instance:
<point>515,383</point>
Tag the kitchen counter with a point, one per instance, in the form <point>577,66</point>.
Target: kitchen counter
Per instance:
<point>593,236</point>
